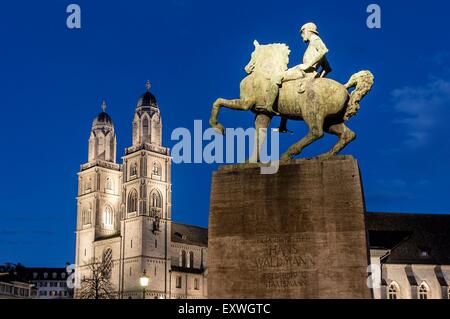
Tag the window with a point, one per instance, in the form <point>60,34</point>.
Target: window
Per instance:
<point>132,201</point>
<point>423,291</point>
<point>196,285</point>
<point>109,220</point>
<point>178,282</point>
<point>145,130</point>
<point>63,275</point>
<point>54,275</point>
<point>45,275</point>
<point>133,169</point>
<point>393,291</point>
<point>108,184</point>
<point>35,275</point>
<point>107,262</point>
<point>156,170</point>
<point>191,259</point>
<point>88,184</point>
<point>183,259</point>
<point>156,199</point>
<point>86,216</point>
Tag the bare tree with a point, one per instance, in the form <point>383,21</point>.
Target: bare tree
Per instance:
<point>98,285</point>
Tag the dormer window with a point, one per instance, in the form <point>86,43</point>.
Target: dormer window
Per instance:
<point>180,235</point>
<point>424,252</point>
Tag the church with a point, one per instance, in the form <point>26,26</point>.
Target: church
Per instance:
<point>124,216</point>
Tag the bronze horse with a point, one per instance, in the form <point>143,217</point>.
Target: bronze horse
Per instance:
<point>324,104</point>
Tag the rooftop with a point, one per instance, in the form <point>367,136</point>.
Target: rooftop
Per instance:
<point>412,238</point>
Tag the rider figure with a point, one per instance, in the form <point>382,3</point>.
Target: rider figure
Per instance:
<point>315,63</point>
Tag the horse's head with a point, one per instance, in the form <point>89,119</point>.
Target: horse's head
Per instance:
<point>269,58</point>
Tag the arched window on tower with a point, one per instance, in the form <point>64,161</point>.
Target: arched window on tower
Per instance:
<point>156,170</point>
<point>133,169</point>
<point>156,199</point>
<point>155,203</point>
<point>145,131</point>
<point>424,291</point>
<point>132,201</point>
<point>88,185</point>
<point>85,220</point>
<point>191,259</point>
<point>109,219</point>
<point>393,291</point>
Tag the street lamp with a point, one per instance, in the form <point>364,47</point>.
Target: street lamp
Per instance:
<point>144,283</point>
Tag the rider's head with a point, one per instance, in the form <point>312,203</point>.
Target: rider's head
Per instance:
<point>307,30</point>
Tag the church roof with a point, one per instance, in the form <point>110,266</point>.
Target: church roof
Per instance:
<point>189,234</point>
<point>412,238</point>
<point>102,119</point>
<point>38,273</point>
<point>147,99</point>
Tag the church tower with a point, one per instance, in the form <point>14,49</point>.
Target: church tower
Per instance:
<point>124,213</point>
<point>99,191</point>
<point>146,203</point>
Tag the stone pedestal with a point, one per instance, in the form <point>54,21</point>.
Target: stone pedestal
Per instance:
<point>299,233</point>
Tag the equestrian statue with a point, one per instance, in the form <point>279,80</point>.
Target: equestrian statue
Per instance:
<point>300,93</point>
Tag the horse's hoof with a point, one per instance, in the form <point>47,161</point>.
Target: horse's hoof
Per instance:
<point>219,129</point>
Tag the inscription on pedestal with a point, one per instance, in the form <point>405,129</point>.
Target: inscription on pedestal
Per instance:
<point>297,234</point>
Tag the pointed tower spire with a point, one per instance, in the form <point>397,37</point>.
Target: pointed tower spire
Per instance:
<point>104,106</point>
<point>148,85</point>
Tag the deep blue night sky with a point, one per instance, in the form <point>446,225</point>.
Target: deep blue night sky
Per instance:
<point>52,82</point>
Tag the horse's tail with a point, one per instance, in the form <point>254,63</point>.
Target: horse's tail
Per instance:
<point>362,82</point>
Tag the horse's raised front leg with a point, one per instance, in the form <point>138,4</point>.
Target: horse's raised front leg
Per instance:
<point>262,122</point>
<point>237,104</point>
<point>315,125</point>
<point>345,135</point>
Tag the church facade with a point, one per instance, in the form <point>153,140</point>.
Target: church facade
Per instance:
<point>124,216</point>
